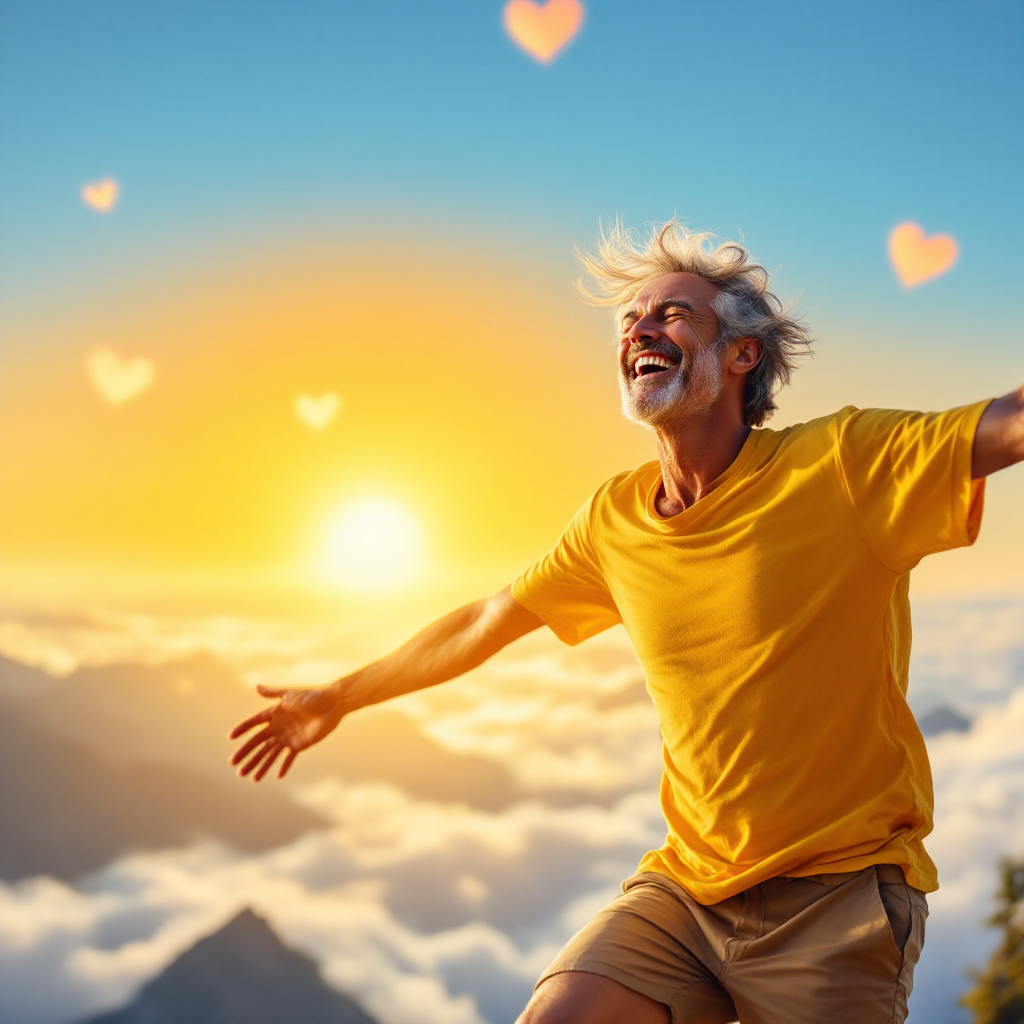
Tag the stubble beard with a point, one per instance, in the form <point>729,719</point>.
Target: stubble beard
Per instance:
<point>695,386</point>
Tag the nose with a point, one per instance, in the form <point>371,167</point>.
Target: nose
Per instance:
<point>644,329</point>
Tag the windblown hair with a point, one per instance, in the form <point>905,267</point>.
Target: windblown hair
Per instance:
<point>625,262</point>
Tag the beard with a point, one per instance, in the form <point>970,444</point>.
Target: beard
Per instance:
<point>695,386</point>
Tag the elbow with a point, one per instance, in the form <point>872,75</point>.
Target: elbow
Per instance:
<point>1018,432</point>
<point>1014,434</point>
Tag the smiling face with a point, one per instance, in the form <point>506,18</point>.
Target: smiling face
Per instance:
<point>667,361</point>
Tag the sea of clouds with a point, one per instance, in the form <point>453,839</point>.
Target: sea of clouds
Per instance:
<point>437,913</point>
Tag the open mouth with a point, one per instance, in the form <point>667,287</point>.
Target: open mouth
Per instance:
<point>648,363</point>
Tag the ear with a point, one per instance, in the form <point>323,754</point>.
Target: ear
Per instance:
<point>744,355</point>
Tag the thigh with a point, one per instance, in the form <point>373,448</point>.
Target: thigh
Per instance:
<point>844,957</point>
<point>647,941</point>
<point>575,997</point>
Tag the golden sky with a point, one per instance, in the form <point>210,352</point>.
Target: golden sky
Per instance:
<point>475,394</point>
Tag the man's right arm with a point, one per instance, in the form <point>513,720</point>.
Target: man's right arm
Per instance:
<point>447,648</point>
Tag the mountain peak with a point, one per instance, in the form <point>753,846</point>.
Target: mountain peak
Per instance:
<point>242,974</point>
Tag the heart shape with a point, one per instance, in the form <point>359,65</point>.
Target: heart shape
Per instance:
<point>117,379</point>
<point>918,258</point>
<point>101,195</point>
<point>317,412</point>
<point>543,31</point>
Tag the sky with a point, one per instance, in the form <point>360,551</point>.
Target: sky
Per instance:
<point>380,202</point>
<point>333,287</point>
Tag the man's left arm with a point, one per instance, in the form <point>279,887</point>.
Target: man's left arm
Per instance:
<point>999,439</point>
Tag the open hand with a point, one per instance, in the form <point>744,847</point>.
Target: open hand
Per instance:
<point>299,719</point>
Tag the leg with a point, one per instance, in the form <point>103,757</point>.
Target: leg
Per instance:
<point>643,959</point>
<point>575,997</point>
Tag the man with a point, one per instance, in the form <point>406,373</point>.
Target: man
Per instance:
<point>763,579</point>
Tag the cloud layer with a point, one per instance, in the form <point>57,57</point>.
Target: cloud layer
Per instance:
<point>436,912</point>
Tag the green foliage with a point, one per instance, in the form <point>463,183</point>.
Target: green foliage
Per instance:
<point>998,993</point>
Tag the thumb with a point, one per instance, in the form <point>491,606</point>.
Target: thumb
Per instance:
<point>273,692</point>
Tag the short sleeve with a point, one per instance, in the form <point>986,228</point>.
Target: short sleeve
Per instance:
<point>908,476</point>
<point>566,588</point>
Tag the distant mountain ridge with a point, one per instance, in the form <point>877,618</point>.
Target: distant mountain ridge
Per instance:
<point>119,758</point>
<point>66,810</point>
<point>179,713</point>
<point>242,974</point>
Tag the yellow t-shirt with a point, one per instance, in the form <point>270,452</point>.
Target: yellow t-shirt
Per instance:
<point>773,622</point>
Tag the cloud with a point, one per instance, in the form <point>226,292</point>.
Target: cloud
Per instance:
<point>979,815</point>
<point>429,911</point>
<point>260,650</point>
<point>969,656</point>
<point>379,901</point>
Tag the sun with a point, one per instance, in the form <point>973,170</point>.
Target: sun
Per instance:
<point>374,544</point>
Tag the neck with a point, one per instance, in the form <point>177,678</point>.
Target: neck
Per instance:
<point>694,452</point>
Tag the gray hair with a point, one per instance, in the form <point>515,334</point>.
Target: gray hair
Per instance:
<point>625,262</point>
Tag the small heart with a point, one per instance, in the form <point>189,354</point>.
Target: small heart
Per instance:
<point>543,31</point>
<point>117,379</point>
<point>317,412</point>
<point>101,195</point>
<point>918,259</point>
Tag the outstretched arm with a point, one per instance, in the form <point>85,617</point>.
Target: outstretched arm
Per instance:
<point>445,649</point>
<point>999,439</point>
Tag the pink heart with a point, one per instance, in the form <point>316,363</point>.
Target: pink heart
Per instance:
<point>543,31</point>
<point>101,195</point>
<point>917,258</point>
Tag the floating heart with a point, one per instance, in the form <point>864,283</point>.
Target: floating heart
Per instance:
<point>543,30</point>
<point>117,379</point>
<point>317,412</point>
<point>918,259</point>
<point>101,195</point>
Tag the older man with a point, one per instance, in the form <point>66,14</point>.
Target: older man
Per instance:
<point>763,578</point>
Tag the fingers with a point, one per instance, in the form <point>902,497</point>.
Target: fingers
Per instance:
<point>287,763</point>
<point>264,758</point>
<point>253,761</point>
<point>268,763</point>
<point>243,751</point>
<point>250,723</point>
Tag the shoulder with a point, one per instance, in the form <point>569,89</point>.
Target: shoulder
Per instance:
<point>626,486</point>
<point>820,433</point>
<point>621,496</point>
<point>850,420</point>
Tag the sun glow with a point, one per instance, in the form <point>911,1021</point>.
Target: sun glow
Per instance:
<point>374,544</point>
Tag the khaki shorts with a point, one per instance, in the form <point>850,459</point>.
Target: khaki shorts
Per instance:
<point>839,948</point>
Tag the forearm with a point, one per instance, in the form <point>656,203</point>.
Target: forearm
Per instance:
<point>999,439</point>
<point>447,648</point>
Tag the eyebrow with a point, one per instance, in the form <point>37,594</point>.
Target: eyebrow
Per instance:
<point>660,308</point>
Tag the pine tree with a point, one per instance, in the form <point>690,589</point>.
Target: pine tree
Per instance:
<point>998,993</point>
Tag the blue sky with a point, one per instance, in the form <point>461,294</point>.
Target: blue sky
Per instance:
<point>812,127</point>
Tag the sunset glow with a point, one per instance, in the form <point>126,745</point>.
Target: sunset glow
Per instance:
<point>374,544</point>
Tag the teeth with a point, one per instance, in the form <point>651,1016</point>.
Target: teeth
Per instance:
<point>652,360</point>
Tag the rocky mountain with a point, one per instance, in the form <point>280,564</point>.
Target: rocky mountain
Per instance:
<point>242,974</point>
<point>942,719</point>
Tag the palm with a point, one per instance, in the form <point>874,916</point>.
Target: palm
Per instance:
<point>299,722</point>
<point>299,719</point>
